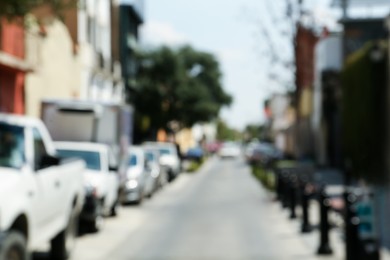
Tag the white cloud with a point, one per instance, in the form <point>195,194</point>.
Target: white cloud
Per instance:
<point>158,33</point>
<point>227,55</point>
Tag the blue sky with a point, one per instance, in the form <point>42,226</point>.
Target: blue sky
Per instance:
<point>228,28</point>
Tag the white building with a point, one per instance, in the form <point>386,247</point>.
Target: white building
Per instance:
<point>100,74</point>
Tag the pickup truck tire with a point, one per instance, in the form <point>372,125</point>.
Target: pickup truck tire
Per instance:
<point>62,245</point>
<point>13,246</point>
<point>96,224</point>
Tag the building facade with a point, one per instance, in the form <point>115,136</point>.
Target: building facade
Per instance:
<point>306,40</point>
<point>326,117</point>
<point>51,51</point>
<point>13,66</point>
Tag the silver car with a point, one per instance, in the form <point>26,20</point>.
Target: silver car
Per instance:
<point>169,157</point>
<point>137,176</point>
<point>159,173</point>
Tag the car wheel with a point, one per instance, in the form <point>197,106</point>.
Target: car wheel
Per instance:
<point>150,194</point>
<point>141,197</point>
<point>98,222</point>
<point>164,179</point>
<point>115,209</point>
<point>62,245</point>
<point>13,246</point>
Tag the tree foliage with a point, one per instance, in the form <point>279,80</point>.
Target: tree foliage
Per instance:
<point>364,114</point>
<point>253,131</point>
<point>226,133</point>
<point>178,85</point>
<point>19,8</point>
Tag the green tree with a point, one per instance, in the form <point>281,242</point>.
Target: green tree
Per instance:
<point>226,133</point>
<point>19,8</point>
<point>178,85</point>
<point>253,131</point>
<point>364,113</point>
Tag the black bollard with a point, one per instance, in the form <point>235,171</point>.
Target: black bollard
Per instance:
<point>293,197</point>
<point>324,248</point>
<point>278,185</point>
<point>351,227</point>
<point>284,189</point>
<point>357,248</point>
<point>305,199</point>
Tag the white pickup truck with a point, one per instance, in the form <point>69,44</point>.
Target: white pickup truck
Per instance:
<point>101,184</point>
<point>41,196</point>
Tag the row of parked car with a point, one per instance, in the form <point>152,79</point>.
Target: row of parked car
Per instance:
<point>48,187</point>
<point>149,168</point>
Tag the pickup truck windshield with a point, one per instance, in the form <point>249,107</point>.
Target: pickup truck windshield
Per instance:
<point>92,159</point>
<point>12,146</point>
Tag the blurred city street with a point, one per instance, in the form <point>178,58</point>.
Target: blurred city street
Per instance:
<point>194,130</point>
<point>219,213</point>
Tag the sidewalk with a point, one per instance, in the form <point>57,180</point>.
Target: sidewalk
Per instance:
<point>311,240</point>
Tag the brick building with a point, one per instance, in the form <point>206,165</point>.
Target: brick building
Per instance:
<point>305,43</point>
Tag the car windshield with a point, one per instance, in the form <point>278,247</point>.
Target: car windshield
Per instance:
<point>92,159</point>
<point>230,145</point>
<point>11,146</point>
<point>150,157</point>
<point>133,160</point>
<point>164,151</point>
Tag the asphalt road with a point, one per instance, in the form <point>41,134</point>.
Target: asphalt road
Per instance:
<point>220,212</point>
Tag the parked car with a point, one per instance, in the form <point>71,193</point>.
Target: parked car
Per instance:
<point>213,147</point>
<point>137,176</point>
<point>41,196</point>
<point>264,153</point>
<point>250,151</point>
<point>195,153</point>
<point>169,157</point>
<point>229,150</point>
<point>101,184</point>
<point>158,172</point>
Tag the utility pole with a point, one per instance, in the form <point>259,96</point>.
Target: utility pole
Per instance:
<point>344,6</point>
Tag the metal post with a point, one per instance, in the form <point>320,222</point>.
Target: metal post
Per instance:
<point>278,185</point>
<point>351,228</point>
<point>324,248</point>
<point>344,6</point>
<point>305,199</point>
<point>292,195</point>
<point>284,189</point>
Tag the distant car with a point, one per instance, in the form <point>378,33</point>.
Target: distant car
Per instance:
<point>229,150</point>
<point>249,150</point>
<point>169,157</point>
<point>213,147</point>
<point>195,153</point>
<point>263,153</point>
<point>159,174</point>
<point>137,176</point>
<point>101,184</point>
